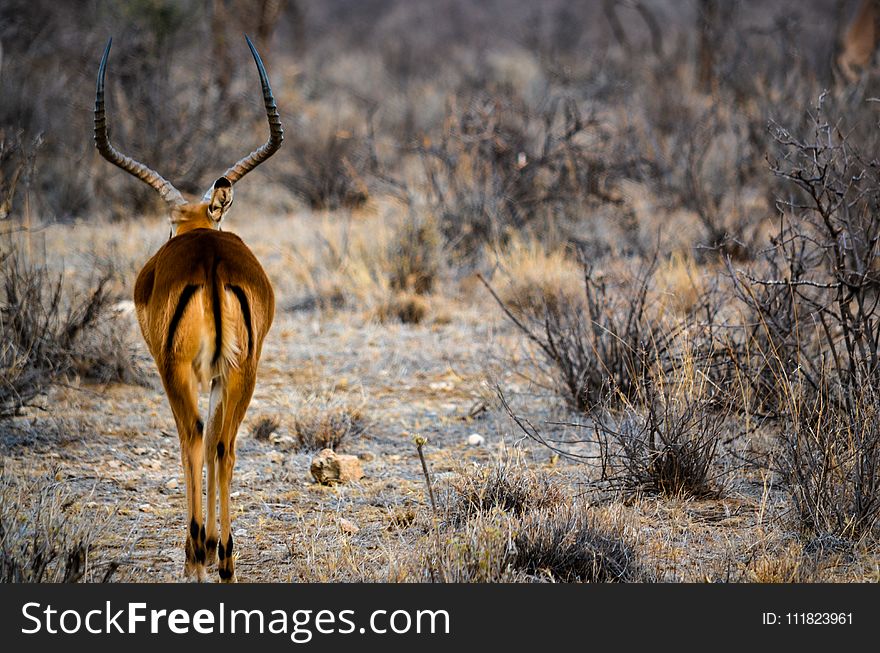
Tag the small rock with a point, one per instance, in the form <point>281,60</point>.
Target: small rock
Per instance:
<point>171,484</point>
<point>348,527</point>
<point>476,440</point>
<point>329,467</point>
<point>367,456</point>
<point>145,507</point>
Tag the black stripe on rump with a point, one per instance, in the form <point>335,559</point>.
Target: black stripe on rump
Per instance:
<point>182,303</point>
<point>246,312</point>
<point>217,308</point>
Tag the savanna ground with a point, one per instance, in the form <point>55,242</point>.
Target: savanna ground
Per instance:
<point>630,245</point>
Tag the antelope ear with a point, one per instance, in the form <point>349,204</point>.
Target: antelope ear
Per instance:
<point>221,199</point>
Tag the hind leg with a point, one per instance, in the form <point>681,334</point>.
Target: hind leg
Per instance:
<point>236,397</point>
<point>212,437</point>
<point>182,395</point>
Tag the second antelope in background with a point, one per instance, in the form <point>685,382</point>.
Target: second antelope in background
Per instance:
<point>204,305</point>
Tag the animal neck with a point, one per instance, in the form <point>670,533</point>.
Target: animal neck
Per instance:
<point>191,216</point>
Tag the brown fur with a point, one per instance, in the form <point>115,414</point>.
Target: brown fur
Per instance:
<point>205,266</point>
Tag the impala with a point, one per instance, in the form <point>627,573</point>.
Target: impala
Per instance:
<point>204,305</point>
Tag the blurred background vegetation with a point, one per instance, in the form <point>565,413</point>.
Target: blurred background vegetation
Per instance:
<point>497,113</point>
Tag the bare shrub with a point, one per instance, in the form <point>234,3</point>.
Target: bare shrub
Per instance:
<point>599,349</point>
<point>331,171</point>
<point>44,537</point>
<point>498,168</point>
<point>666,445</point>
<point>831,463</point>
<point>830,239</point>
<point>817,337</point>
<point>325,428</point>
<point>50,332</point>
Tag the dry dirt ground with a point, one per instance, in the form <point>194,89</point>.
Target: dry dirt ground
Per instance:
<point>115,448</point>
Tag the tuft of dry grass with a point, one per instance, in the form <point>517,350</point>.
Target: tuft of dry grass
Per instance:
<point>407,308</point>
<point>507,484</point>
<point>265,427</point>
<point>414,255</point>
<point>505,522</point>
<point>562,543</point>
<point>784,564</point>
<point>680,283</point>
<point>532,279</point>
<point>325,428</point>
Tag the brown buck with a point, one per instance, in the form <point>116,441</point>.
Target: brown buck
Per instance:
<point>204,305</point>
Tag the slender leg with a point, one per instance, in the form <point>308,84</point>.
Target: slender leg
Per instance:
<point>182,396</point>
<point>212,437</point>
<point>241,386</point>
<point>196,455</point>
<point>226,562</point>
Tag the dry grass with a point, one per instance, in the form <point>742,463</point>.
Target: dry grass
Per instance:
<point>407,308</point>
<point>326,427</point>
<point>384,263</point>
<point>46,535</point>
<point>567,544</point>
<point>265,427</point>
<point>531,279</point>
<point>680,283</point>
<point>788,564</point>
<point>559,544</point>
<point>507,484</point>
<point>415,256</point>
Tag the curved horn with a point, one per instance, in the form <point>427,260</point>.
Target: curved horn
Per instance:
<point>102,141</point>
<point>276,133</point>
